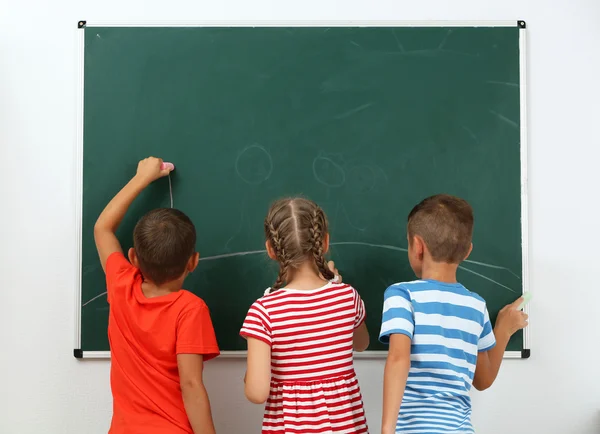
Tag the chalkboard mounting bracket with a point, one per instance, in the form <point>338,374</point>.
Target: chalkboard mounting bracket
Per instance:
<point>81,24</point>
<point>521,24</point>
<point>78,353</point>
<point>525,353</point>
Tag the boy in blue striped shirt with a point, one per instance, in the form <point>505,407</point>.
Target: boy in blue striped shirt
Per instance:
<point>439,333</point>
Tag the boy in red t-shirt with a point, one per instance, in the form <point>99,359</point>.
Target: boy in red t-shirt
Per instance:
<point>160,335</point>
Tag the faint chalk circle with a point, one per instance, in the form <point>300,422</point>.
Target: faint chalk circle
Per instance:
<point>328,172</point>
<point>362,178</point>
<point>254,164</point>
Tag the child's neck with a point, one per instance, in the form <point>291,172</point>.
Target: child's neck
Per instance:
<point>439,271</point>
<point>306,277</point>
<point>152,290</point>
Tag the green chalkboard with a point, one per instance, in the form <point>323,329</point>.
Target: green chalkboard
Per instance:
<point>365,121</point>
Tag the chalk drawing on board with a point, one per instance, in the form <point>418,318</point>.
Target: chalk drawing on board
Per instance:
<point>505,119</point>
<point>353,243</point>
<point>446,36</point>
<point>361,179</point>
<point>328,172</point>
<point>254,164</point>
<point>352,225</point>
<point>400,46</point>
<point>503,83</point>
<point>353,111</point>
<point>240,224</point>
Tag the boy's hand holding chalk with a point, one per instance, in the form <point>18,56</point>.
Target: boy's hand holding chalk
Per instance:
<point>150,169</point>
<point>526,299</point>
<point>511,318</point>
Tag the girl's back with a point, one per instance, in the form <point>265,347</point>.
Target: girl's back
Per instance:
<point>301,334</point>
<point>313,384</point>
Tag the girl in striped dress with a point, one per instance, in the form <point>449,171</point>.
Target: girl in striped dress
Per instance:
<point>302,333</point>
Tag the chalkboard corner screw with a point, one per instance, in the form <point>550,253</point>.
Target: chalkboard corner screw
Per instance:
<point>525,353</point>
<point>81,24</point>
<point>78,353</point>
<point>522,24</point>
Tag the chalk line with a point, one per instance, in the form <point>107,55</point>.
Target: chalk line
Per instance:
<point>503,83</point>
<point>92,299</point>
<point>486,278</point>
<point>170,190</point>
<point>354,243</point>
<point>505,119</point>
<point>353,111</point>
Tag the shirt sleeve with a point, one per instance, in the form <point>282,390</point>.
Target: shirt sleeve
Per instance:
<point>195,333</point>
<point>257,324</point>
<point>359,309</point>
<point>487,340</point>
<point>118,270</point>
<point>398,314</point>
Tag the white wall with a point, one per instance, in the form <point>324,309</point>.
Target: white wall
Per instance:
<point>43,389</point>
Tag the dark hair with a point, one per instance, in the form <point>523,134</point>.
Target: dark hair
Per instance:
<point>295,227</point>
<point>164,240</point>
<point>446,225</point>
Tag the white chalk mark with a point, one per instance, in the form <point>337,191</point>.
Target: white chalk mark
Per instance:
<point>445,39</point>
<point>336,166</point>
<point>503,83</point>
<point>170,190</point>
<point>360,243</point>
<point>471,133</point>
<point>98,36</point>
<point>486,278</point>
<point>353,243</point>
<point>349,222</point>
<point>495,267</point>
<point>355,44</point>
<point>461,53</point>
<point>400,46</point>
<point>505,119</point>
<point>240,225</point>
<point>354,111</point>
<point>231,255</point>
<point>92,299</point>
<point>254,177</point>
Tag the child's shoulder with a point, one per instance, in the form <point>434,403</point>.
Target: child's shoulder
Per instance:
<point>190,301</point>
<point>271,296</point>
<point>406,288</point>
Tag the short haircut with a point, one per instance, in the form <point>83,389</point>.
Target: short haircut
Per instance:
<point>164,241</point>
<point>446,225</point>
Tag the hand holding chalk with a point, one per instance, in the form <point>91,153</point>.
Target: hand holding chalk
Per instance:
<point>167,166</point>
<point>150,169</point>
<point>526,299</point>
<point>511,319</point>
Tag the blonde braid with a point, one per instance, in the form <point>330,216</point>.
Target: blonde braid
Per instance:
<point>280,253</point>
<point>317,233</point>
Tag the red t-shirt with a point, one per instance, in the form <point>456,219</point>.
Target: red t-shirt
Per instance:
<point>145,335</point>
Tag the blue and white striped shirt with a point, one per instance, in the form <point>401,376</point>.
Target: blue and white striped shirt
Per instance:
<point>448,326</point>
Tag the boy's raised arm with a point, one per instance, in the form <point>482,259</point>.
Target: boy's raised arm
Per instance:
<point>107,243</point>
<point>508,322</point>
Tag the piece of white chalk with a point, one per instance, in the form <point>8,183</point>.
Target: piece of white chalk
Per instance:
<point>526,299</point>
<point>167,166</point>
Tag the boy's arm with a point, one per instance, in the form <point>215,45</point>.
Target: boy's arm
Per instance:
<point>509,321</point>
<point>394,380</point>
<point>104,231</point>
<point>195,398</point>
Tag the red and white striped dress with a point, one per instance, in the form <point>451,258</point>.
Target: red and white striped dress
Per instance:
<point>314,388</point>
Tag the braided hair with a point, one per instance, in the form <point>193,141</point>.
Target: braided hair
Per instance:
<point>296,229</point>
